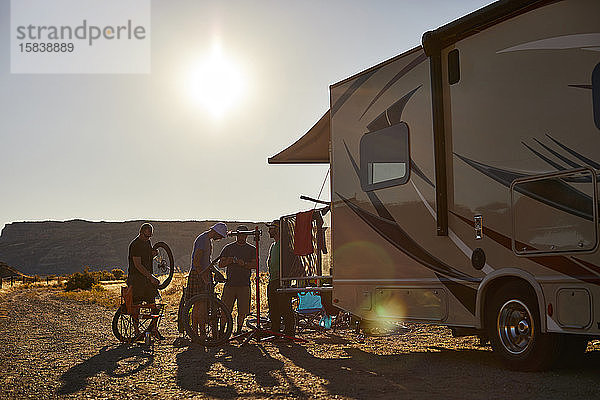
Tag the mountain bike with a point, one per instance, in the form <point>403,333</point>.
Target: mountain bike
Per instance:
<point>132,321</point>
<point>218,324</point>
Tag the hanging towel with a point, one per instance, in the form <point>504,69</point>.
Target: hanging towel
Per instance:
<point>303,234</point>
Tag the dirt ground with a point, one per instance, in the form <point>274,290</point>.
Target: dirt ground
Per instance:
<point>53,347</point>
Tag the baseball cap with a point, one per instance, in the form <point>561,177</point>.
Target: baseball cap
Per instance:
<point>241,228</point>
<point>275,223</point>
<point>220,228</point>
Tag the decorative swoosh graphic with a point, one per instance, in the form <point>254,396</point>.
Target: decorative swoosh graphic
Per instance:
<point>556,263</point>
<point>393,114</point>
<point>385,225</point>
<point>348,93</point>
<point>562,158</point>
<point>415,168</point>
<point>554,193</point>
<point>396,236</point>
<point>418,60</point>
<point>556,154</point>
<point>575,154</point>
<point>584,41</point>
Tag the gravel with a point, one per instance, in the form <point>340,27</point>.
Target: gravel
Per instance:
<point>52,347</point>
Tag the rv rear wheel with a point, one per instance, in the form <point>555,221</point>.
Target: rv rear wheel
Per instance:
<point>513,325</point>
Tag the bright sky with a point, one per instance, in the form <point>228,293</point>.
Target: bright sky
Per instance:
<point>122,147</point>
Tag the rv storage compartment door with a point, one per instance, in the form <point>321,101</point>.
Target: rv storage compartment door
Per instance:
<point>411,303</point>
<point>555,213</point>
<point>573,308</point>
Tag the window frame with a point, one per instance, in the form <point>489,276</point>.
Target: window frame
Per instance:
<point>365,158</point>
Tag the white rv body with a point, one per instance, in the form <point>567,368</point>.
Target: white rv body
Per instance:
<point>464,179</point>
<point>522,107</point>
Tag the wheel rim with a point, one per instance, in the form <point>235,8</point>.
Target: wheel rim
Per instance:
<point>218,325</point>
<point>161,266</point>
<point>515,327</point>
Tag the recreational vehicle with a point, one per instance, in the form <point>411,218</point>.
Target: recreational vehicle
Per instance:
<point>464,180</point>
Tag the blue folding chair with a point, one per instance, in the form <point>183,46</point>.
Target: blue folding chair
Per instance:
<point>310,313</point>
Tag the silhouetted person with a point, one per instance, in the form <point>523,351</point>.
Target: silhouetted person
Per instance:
<point>240,259</point>
<point>280,304</point>
<point>199,277</point>
<point>144,285</point>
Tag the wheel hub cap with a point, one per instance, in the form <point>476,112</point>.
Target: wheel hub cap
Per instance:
<point>515,326</point>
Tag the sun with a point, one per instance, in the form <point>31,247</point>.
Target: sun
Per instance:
<point>216,83</point>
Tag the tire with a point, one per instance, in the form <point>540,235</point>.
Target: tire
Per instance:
<point>123,325</point>
<point>163,264</point>
<point>513,325</point>
<point>219,322</point>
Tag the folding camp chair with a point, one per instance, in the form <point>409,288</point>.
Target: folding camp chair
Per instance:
<point>310,313</point>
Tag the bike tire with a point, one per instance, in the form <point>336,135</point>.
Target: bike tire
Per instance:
<point>163,271</point>
<point>123,325</point>
<point>219,321</point>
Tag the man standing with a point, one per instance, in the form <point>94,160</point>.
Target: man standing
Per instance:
<point>139,278</point>
<point>199,276</point>
<point>280,304</point>
<point>240,259</point>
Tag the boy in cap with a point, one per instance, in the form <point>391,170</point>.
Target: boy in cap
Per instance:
<point>240,259</point>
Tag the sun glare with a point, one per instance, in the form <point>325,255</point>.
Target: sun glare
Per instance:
<point>216,83</point>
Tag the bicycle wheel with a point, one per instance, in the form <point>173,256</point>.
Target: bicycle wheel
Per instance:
<point>218,322</point>
<point>123,326</point>
<point>163,264</point>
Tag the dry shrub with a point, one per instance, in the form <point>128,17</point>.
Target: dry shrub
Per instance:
<point>81,280</point>
<point>98,295</point>
<point>118,273</point>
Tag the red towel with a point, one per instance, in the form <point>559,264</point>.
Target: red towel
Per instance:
<point>303,234</point>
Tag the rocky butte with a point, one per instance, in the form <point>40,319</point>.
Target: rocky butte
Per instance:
<point>61,248</point>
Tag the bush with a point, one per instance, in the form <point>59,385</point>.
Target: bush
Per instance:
<point>97,287</point>
<point>118,273</point>
<point>81,280</point>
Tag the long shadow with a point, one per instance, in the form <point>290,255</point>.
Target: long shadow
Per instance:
<point>441,373</point>
<point>194,364</point>
<point>108,360</point>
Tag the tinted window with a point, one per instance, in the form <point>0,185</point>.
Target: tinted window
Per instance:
<point>596,94</point>
<point>453,67</point>
<point>384,157</point>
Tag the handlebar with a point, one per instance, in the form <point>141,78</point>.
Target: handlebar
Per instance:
<point>212,267</point>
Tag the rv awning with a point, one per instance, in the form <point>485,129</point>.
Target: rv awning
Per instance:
<point>312,148</point>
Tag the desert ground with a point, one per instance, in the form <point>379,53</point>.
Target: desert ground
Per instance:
<point>55,346</point>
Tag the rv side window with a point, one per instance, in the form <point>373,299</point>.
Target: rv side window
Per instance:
<point>453,67</point>
<point>384,158</point>
<point>596,94</point>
